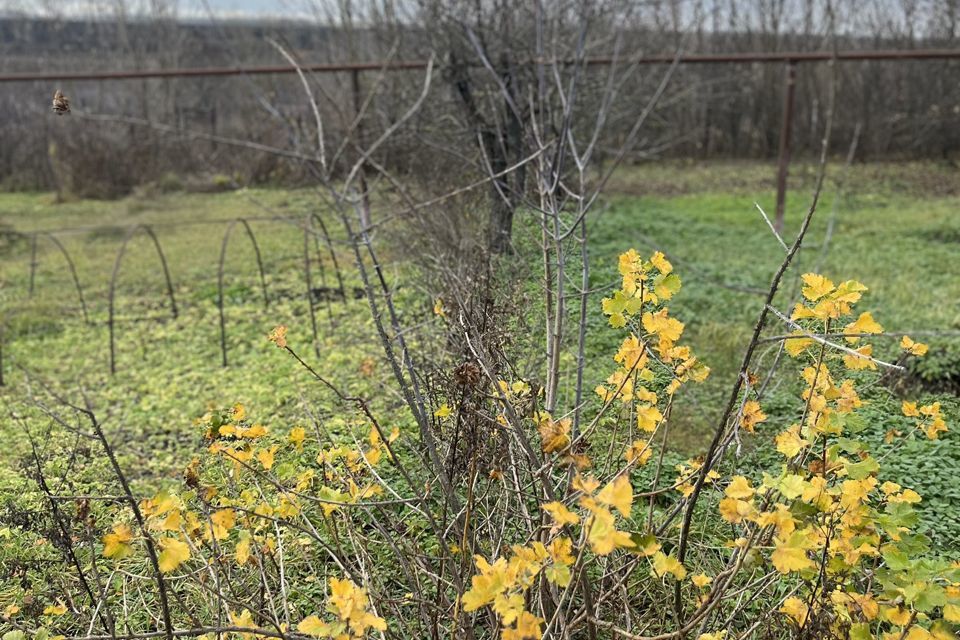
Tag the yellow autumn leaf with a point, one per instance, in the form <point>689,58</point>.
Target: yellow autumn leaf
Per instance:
<point>560,514</point>
<point>648,417</point>
<point>815,286</point>
<point>296,437</point>
<point>734,510</point>
<point>789,442</point>
<point>266,457</point>
<point>314,626</point>
<point>915,348</point>
<point>863,324</point>
<point>173,553</point>
<point>664,564</point>
<point>55,609</point>
<point>243,548</point>
<point>739,488</point>
<point>508,606</point>
<point>661,263</point>
<point>443,411</point>
<point>796,609</point>
<point>795,346</point>
<point>527,628</point>
<point>116,545</point>
<point>752,415</point>
<point>791,554</point>
<point>862,361</point>
<point>897,615</point>
<point>951,612</point>
<point>618,494</point>
<point>279,336</point>
<point>701,580</point>
<point>603,535</point>
<point>639,452</point>
<point>221,523</point>
<point>554,435</point>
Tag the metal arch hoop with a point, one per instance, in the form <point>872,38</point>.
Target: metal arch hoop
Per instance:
<point>34,263</point>
<point>220,269</point>
<point>113,284</point>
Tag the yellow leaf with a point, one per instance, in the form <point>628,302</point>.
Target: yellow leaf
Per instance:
<point>796,609</point>
<point>897,615</point>
<point>314,626</point>
<point>648,418</point>
<point>664,564</point>
<point>789,442</point>
<point>863,324</point>
<point>172,522</point>
<point>951,612</point>
<point>173,553</point>
<point>618,494</point>
<point>795,346</point>
<point>297,436</point>
<point>279,336</point>
<point>586,484</point>
<point>639,452</point>
<point>243,548</point>
<point>116,545</point>
<point>560,514</point>
<point>752,415</point>
<point>857,363</point>
<point>221,523</point>
<point>603,535</point>
<point>55,609</point>
<point>734,510</point>
<point>485,586</point>
<point>508,607</point>
<point>443,411</point>
<point>661,263</point>
<point>555,435</point>
<point>159,504</point>
<point>815,286</point>
<point>266,457</point>
<point>251,433</point>
<point>791,554</point>
<point>438,308</point>
<point>701,580</point>
<point>739,488</point>
<point>916,348</point>
<point>527,628</point>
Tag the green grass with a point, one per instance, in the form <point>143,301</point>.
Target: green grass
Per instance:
<point>904,245</point>
<point>896,231</point>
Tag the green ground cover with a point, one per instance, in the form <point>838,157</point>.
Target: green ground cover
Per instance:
<point>896,229</point>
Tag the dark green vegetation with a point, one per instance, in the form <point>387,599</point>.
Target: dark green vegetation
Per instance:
<point>896,231</point>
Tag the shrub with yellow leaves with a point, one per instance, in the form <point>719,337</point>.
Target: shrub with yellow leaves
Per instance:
<point>507,517</point>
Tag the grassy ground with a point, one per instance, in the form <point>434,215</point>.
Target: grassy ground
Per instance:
<point>896,230</point>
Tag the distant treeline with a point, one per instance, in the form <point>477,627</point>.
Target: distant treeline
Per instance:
<point>120,136</point>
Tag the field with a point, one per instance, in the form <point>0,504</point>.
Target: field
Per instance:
<point>894,228</point>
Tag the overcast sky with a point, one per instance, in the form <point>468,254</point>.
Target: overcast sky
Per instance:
<point>184,8</point>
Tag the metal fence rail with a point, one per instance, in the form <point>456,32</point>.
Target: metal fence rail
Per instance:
<point>407,65</point>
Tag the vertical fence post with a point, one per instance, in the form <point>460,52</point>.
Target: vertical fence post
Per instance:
<point>364,196</point>
<point>33,262</point>
<point>307,229</point>
<point>786,127</point>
